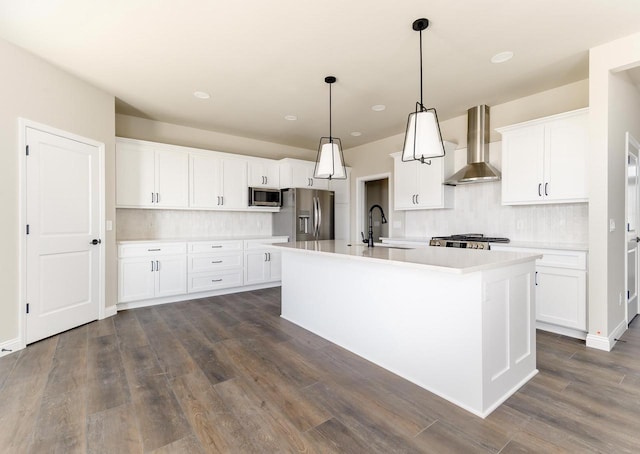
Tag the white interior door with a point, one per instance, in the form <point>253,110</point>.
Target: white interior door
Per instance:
<point>63,215</point>
<point>633,235</point>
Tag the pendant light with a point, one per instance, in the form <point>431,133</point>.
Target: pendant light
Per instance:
<point>423,139</point>
<point>330,161</point>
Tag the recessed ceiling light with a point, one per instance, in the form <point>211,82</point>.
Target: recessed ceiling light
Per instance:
<point>501,57</point>
<point>201,94</point>
<point>378,107</point>
<point>356,134</point>
<point>290,117</point>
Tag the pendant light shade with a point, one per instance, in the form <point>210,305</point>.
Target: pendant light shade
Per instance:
<point>330,161</point>
<point>423,139</point>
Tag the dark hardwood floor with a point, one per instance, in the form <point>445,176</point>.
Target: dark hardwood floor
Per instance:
<point>226,374</point>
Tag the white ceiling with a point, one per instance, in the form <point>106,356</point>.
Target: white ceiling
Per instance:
<point>262,60</point>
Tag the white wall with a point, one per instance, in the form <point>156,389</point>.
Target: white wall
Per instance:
<point>614,109</point>
<point>36,90</point>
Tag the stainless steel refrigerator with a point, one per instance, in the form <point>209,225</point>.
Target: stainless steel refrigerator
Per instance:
<point>305,215</point>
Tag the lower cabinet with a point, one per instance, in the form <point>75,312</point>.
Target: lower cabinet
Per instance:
<point>214,265</point>
<point>261,263</point>
<point>561,297</point>
<point>154,272</point>
<point>561,290</point>
<point>151,271</point>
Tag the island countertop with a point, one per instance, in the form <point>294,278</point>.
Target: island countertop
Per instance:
<point>450,260</point>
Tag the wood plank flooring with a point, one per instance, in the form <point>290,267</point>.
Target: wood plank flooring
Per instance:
<point>228,375</point>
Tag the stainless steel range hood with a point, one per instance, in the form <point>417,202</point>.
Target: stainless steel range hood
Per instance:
<point>478,169</point>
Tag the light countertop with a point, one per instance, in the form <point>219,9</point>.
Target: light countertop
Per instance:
<point>433,258</point>
<point>211,238</point>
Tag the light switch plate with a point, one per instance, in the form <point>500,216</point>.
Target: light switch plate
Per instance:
<point>612,225</point>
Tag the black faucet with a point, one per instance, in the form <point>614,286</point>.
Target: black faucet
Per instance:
<point>369,241</point>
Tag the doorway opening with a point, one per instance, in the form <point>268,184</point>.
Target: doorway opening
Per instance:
<point>373,190</point>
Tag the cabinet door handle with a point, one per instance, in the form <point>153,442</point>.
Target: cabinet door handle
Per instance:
<point>154,250</point>
<point>417,201</point>
<point>546,187</point>
<point>266,180</point>
<point>539,189</point>
<point>157,266</point>
<point>152,270</point>
<point>153,197</point>
<point>217,246</point>
<point>216,280</point>
<point>221,200</point>
<point>157,197</point>
<point>217,261</point>
<point>265,256</point>
<point>535,278</point>
<point>413,199</point>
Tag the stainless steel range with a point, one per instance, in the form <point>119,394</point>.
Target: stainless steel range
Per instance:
<point>466,241</point>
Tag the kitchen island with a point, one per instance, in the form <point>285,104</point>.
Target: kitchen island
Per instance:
<point>459,323</point>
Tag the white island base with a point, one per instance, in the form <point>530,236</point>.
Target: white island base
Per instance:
<point>467,336</point>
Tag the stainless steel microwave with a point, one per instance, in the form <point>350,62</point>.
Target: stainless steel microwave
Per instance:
<point>262,197</point>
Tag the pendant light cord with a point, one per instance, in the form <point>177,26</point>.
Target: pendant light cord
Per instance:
<point>421,104</point>
<point>330,135</point>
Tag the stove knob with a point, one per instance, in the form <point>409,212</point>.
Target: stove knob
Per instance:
<point>480,246</point>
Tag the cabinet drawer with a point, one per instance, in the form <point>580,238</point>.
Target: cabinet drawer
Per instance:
<point>551,257</point>
<point>210,262</point>
<point>151,249</point>
<point>198,247</point>
<point>202,282</point>
<point>574,260</point>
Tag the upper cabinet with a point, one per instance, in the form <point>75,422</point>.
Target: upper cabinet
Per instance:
<point>264,173</point>
<point>217,182</point>
<point>544,160</point>
<point>295,173</point>
<point>419,186</point>
<point>150,177</point>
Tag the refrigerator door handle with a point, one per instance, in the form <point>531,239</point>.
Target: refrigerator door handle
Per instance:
<point>315,216</point>
<point>319,215</point>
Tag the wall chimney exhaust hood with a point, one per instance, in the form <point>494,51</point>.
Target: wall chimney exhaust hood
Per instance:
<point>478,169</point>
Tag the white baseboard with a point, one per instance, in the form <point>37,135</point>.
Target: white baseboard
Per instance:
<point>194,296</point>
<point>10,346</point>
<point>606,343</point>
<point>110,311</point>
<point>577,334</point>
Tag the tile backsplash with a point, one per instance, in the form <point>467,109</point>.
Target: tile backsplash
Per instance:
<point>478,209</point>
<point>135,224</point>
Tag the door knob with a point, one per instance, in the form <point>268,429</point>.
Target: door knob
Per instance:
<point>96,241</point>
<point>637,239</point>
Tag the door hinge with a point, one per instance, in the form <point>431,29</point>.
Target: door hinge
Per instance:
<point>27,308</point>
<point>628,294</point>
<point>27,229</point>
<point>27,150</point>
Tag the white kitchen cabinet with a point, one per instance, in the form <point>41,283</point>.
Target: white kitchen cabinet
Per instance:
<point>264,173</point>
<point>419,186</point>
<point>561,289</point>
<point>217,182</point>
<point>342,188</point>
<point>544,160</point>
<point>151,270</point>
<point>295,173</point>
<point>214,265</point>
<point>262,263</point>
<point>150,177</point>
